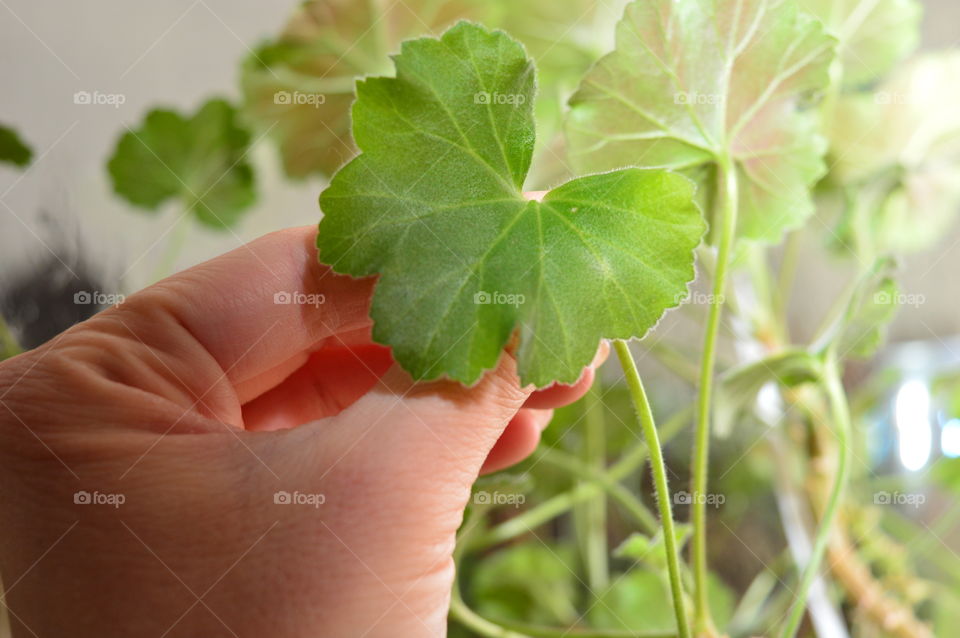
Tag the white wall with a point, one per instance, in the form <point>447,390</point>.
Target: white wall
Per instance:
<point>175,52</point>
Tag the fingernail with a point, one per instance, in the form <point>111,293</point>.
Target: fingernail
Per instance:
<point>602,353</point>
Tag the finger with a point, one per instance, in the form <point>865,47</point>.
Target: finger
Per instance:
<point>333,378</point>
<point>518,440</point>
<point>558,394</point>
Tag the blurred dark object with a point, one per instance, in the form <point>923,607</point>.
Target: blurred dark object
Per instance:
<point>41,300</point>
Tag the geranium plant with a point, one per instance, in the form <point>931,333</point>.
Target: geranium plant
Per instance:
<point>688,151</point>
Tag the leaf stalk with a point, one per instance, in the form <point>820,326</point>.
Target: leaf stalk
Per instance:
<point>840,414</point>
<point>659,470</point>
<point>726,214</point>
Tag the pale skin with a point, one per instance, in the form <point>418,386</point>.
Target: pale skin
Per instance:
<point>198,400</point>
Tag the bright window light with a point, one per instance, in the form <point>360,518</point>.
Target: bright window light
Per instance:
<point>912,414</point>
<point>950,438</point>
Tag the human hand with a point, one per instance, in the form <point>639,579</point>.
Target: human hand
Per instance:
<point>206,404</point>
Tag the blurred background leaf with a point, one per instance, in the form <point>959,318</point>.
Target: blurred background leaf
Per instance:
<point>12,149</point>
<point>501,585</point>
<point>873,35</point>
<point>199,160</point>
<point>298,87</point>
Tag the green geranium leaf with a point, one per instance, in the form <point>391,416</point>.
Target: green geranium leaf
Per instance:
<point>652,550</point>
<point>738,388</point>
<point>434,205</point>
<point>873,35</point>
<point>299,87</point>
<point>899,148</point>
<point>502,587</point>
<point>199,160</point>
<point>694,81</point>
<point>640,601</point>
<point>12,148</point>
<point>908,121</point>
<point>566,39</point>
<point>861,328</point>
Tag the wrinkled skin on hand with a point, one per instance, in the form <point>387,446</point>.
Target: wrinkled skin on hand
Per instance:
<point>201,402</point>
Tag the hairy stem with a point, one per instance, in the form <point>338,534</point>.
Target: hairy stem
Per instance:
<point>726,215</point>
<point>659,471</point>
<point>840,414</point>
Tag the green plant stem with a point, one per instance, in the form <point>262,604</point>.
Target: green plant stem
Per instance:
<point>630,503</point>
<point>174,247</point>
<point>470,619</point>
<point>595,550</point>
<point>378,8</point>
<point>785,280</point>
<point>840,414</point>
<point>542,513</point>
<point>8,344</point>
<point>618,492</point>
<point>535,631</point>
<point>461,612</point>
<point>727,216</point>
<point>557,505</point>
<point>941,527</point>
<point>674,360</point>
<point>906,532</point>
<point>659,471</point>
<point>767,328</point>
<point>755,597</point>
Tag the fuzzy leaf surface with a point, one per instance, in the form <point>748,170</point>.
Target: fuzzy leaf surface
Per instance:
<point>434,205</point>
<point>692,81</point>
